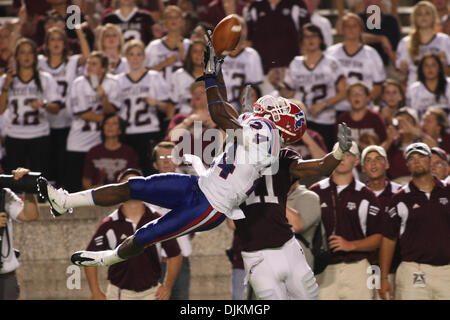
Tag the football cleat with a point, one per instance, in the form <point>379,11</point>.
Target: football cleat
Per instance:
<point>89,258</point>
<point>56,198</point>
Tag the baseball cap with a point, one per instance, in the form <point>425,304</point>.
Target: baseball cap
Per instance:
<point>409,111</point>
<point>419,147</point>
<point>375,148</point>
<point>441,153</point>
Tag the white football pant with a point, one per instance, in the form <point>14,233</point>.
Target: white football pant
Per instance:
<point>280,273</point>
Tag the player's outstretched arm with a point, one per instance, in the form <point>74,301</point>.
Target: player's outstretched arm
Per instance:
<point>222,113</point>
<point>325,165</point>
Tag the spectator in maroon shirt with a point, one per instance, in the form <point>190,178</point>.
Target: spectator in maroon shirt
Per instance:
<point>366,125</point>
<point>34,10</point>
<point>58,15</point>
<point>219,9</point>
<point>155,7</point>
<point>434,127</point>
<point>105,161</point>
<point>134,23</point>
<point>374,163</point>
<point>273,30</point>
<point>418,219</point>
<point>136,278</point>
<point>385,38</point>
<point>404,131</point>
<point>9,34</point>
<point>351,217</point>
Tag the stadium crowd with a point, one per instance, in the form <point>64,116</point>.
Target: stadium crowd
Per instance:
<point>82,103</point>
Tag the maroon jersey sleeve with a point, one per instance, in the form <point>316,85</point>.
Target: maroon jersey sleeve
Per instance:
<point>287,156</point>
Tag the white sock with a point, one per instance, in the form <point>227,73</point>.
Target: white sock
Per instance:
<point>112,257</point>
<point>80,199</point>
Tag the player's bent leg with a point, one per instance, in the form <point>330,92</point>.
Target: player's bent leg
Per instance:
<point>301,283</point>
<point>167,190</point>
<point>178,222</point>
<point>194,213</point>
<point>264,280</point>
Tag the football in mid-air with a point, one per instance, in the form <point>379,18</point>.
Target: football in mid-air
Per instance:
<point>226,35</point>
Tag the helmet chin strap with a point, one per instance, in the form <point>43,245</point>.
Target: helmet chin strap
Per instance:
<point>285,131</point>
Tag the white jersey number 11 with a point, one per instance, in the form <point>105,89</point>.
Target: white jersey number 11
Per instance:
<point>270,198</point>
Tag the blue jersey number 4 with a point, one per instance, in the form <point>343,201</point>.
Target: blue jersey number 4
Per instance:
<point>227,168</point>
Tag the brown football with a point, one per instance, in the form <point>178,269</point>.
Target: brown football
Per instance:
<point>226,35</point>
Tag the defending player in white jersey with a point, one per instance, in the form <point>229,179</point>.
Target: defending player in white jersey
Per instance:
<point>27,97</point>
<point>91,97</point>
<point>195,202</point>
<point>242,66</point>
<point>143,93</point>
<point>359,61</point>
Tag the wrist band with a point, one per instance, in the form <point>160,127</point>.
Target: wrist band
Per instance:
<point>210,82</point>
<point>221,85</point>
<point>384,278</point>
<point>215,102</point>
